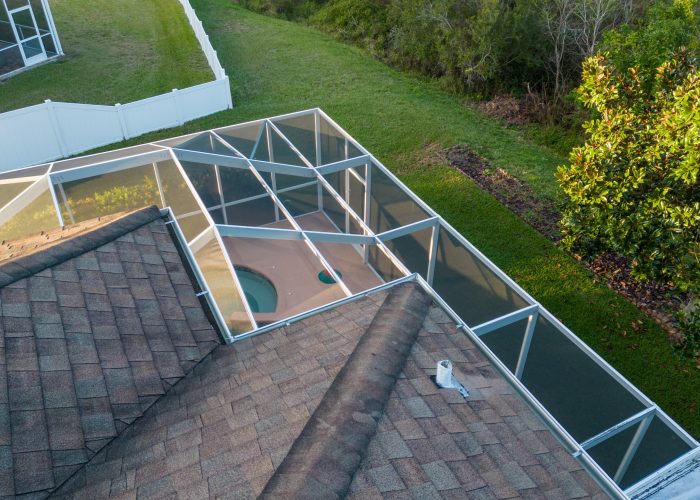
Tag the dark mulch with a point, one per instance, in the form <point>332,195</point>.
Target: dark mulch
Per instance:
<point>658,300</point>
<point>542,214</point>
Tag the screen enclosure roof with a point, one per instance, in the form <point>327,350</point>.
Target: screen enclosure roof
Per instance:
<point>287,215</point>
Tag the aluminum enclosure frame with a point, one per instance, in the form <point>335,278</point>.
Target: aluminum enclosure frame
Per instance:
<point>314,170</point>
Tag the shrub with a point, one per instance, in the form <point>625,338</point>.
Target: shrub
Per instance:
<point>653,38</point>
<point>634,187</point>
<point>363,22</point>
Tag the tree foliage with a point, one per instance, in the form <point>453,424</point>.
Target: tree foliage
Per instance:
<point>652,38</point>
<point>634,187</point>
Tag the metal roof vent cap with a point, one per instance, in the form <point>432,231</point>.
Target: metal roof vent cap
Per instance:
<point>446,380</point>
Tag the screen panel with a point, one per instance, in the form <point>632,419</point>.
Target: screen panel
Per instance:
<point>473,290</point>
<point>580,394</point>
<point>212,263</point>
<point>181,200</point>
<point>123,191</point>
<point>301,131</point>
<point>243,138</point>
<point>31,213</point>
<point>390,206</point>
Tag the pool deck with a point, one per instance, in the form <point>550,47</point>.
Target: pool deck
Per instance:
<point>293,268</point>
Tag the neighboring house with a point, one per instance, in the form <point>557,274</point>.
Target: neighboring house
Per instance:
<point>275,328</point>
<point>27,35</point>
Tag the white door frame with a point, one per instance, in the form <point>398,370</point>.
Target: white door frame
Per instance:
<point>28,61</point>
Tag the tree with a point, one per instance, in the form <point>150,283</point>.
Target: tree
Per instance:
<point>634,186</point>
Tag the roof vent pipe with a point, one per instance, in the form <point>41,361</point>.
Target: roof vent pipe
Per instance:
<point>444,378</point>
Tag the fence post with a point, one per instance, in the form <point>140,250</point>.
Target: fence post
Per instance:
<point>229,98</point>
<point>176,105</point>
<point>56,128</point>
<point>122,121</point>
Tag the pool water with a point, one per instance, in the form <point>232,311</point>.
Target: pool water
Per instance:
<point>259,291</point>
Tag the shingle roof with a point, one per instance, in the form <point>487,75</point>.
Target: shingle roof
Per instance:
<point>325,456</point>
<point>263,414</point>
<point>93,329</point>
<point>433,443</point>
<point>229,423</point>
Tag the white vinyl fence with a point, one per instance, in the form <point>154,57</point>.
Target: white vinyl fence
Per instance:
<point>53,130</point>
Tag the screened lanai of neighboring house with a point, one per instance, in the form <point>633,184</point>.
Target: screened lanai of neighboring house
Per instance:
<point>287,215</point>
<point>27,35</point>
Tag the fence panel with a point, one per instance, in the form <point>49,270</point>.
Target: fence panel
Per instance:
<point>85,126</point>
<point>203,100</point>
<point>27,136</point>
<point>150,114</point>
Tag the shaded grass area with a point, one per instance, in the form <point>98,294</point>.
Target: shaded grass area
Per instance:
<point>278,67</point>
<point>116,51</point>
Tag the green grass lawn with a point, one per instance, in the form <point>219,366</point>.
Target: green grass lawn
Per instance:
<point>116,51</point>
<point>278,67</point>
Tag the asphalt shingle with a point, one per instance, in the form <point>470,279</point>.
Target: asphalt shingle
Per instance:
<point>76,368</point>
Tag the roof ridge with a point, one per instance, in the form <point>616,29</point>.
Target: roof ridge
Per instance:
<point>28,265</point>
<point>323,459</point>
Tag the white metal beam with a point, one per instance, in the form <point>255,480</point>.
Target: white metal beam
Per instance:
<point>618,428</point>
<point>56,205</point>
<point>505,320</point>
<point>341,165</point>
<point>432,255</point>
<point>633,447</point>
<point>527,340</point>
<point>408,229</point>
<point>292,234</point>
<point>64,198</point>
<point>266,233</point>
<point>109,166</point>
<point>350,239</point>
<point>281,168</point>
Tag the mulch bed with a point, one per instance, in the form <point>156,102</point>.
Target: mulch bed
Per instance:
<point>658,300</point>
<point>542,214</point>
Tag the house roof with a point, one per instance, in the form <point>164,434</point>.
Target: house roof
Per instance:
<point>97,321</point>
<point>341,403</point>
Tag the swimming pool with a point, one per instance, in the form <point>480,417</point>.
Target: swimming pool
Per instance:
<point>259,291</point>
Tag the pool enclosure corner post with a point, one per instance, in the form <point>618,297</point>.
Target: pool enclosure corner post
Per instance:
<point>319,156</point>
<point>271,157</point>
<point>633,446</point>
<point>317,137</point>
<point>54,198</point>
<point>159,184</point>
<point>432,255</point>
<point>64,198</point>
<point>527,340</point>
<point>367,204</point>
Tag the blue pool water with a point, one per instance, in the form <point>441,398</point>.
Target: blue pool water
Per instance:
<point>259,291</point>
